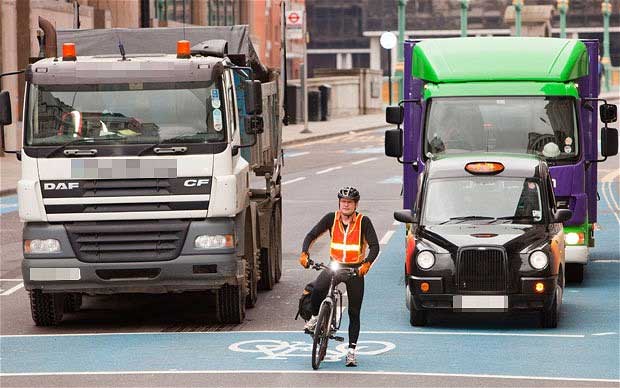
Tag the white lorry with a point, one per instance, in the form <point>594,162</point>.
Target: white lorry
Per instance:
<point>137,164</point>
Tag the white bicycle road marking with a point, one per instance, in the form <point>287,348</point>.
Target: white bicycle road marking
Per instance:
<point>281,350</point>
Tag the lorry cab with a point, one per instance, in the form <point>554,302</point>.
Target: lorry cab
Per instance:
<point>485,234</point>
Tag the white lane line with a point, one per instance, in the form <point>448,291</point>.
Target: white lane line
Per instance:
<point>305,371</point>
<point>12,290</point>
<point>328,170</point>
<point>363,161</point>
<point>301,178</point>
<point>386,238</point>
<point>295,154</point>
<point>11,280</point>
<point>446,333</point>
<point>605,261</point>
<point>609,333</point>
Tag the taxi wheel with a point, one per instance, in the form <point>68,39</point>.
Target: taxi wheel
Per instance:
<point>417,317</point>
<point>549,318</point>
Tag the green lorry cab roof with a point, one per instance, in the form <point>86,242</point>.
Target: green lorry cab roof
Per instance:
<point>502,88</point>
<point>499,59</point>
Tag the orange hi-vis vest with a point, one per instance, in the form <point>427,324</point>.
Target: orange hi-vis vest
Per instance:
<point>347,246</point>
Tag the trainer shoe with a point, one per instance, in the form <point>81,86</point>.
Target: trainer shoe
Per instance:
<point>311,324</point>
<point>351,360</point>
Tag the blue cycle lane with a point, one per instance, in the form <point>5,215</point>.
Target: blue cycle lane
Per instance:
<point>586,345</point>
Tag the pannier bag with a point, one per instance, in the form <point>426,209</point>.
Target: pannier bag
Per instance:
<point>305,303</point>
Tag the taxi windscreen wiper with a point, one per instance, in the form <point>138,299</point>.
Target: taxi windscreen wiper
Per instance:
<point>511,218</point>
<point>467,218</point>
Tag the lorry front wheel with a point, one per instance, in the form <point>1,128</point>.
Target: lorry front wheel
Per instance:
<point>47,309</point>
<point>230,304</point>
<point>574,273</point>
<point>73,302</point>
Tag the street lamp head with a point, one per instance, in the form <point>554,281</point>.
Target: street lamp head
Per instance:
<point>388,40</point>
<point>563,4</point>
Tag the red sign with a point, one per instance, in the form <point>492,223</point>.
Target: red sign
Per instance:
<point>293,17</point>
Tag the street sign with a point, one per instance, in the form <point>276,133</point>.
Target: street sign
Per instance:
<point>294,20</point>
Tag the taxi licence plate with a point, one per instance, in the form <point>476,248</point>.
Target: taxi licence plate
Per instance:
<point>480,302</point>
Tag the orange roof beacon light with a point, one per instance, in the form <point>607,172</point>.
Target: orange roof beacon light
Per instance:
<point>484,168</point>
<point>68,52</point>
<point>183,50</point>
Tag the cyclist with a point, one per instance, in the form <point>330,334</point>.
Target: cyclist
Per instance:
<point>351,233</point>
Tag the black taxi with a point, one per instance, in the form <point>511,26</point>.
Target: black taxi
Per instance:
<point>485,235</point>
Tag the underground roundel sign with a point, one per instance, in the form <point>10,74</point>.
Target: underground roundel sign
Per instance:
<point>294,19</point>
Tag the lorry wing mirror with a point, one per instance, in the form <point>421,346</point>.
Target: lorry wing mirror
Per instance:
<point>608,113</point>
<point>394,143</point>
<point>609,141</point>
<point>394,114</point>
<point>5,108</point>
<point>253,97</point>
<point>254,125</point>
<point>405,216</point>
<point>562,215</point>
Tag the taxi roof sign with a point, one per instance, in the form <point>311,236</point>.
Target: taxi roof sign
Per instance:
<point>484,168</point>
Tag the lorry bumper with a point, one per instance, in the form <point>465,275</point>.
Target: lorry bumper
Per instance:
<point>185,273</point>
<point>577,254</point>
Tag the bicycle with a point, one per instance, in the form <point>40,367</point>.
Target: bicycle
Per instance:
<point>328,321</point>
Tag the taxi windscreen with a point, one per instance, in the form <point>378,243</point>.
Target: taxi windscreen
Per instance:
<point>482,200</point>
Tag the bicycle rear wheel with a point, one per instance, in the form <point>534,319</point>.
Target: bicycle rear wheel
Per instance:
<point>321,336</point>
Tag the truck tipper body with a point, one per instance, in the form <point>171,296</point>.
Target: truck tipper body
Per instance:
<point>150,168</point>
<point>517,95</point>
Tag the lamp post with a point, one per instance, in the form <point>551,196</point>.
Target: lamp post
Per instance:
<point>388,41</point>
<point>606,10</point>
<point>518,4</point>
<point>464,5</point>
<point>563,7</point>
<point>402,4</point>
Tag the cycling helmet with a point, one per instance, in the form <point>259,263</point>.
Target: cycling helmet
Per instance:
<point>349,192</point>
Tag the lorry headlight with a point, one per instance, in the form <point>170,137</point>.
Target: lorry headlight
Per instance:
<point>49,245</point>
<point>425,259</point>
<point>206,241</point>
<point>573,238</point>
<point>539,259</point>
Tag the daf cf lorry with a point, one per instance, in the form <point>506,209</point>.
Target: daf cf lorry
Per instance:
<point>150,164</point>
<point>509,94</point>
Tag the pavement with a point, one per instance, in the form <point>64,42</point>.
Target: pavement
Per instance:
<point>292,134</point>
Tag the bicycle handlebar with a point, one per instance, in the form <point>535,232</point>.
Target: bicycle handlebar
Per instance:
<point>320,266</point>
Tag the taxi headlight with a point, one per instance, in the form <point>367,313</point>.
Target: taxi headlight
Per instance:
<point>206,241</point>
<point>539,260</point>
<point>425,259</point>
<point>49,245</point>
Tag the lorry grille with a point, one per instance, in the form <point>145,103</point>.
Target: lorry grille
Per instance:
<point>131,241</point>
<point>481,270</point>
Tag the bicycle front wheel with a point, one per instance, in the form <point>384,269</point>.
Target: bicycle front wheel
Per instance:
<point>321,336</point>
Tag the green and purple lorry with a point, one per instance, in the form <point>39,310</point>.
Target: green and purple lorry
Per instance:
<point>510,94</point>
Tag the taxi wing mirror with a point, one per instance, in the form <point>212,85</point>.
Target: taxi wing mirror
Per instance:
<point>5,108</point>
<point>405,216</point>
<point>562,215</point>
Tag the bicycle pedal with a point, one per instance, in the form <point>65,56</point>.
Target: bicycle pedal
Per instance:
<point>337,338</point>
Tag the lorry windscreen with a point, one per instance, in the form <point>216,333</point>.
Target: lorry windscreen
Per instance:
<point>482,199</point>
<point>544,126</point>
<point>129,113</point>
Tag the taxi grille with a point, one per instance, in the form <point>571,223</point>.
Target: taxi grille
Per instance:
<point>481,269</point>
<point>131,241</point>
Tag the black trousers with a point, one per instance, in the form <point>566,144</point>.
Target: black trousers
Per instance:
<point>355,293</point>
